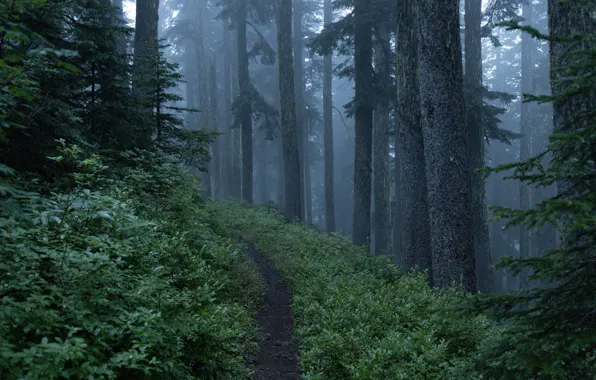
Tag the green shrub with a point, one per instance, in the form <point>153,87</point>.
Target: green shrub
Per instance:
<point>356,315</point>
<point>121,279</point>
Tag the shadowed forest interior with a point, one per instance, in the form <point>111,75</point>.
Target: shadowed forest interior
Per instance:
<point>283,189</point>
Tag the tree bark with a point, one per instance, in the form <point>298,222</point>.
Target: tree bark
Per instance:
<point>203,117</point>
<point>363,122</point>
<point>446,144</point>
<point>566,20</point>
<point>328,129</point>
<point>300,110</point>
<point>145,51</point>
<point>381,142</point>
<point>213,123</point>
<point>526,138</point>
<point>415,224</point>
<point>289,128</point>
<point>246,111</point>
<point>121,42</point>
<point>236,132</point>
<point>233,174</point>
<point>476,140</point>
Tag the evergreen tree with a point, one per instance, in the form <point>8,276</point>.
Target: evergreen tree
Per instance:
<point>289,127</point>
<point>328,130</point>
<point>445,145</point>
<point>415,225</point>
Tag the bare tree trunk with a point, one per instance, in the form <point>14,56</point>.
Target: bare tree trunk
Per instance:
<point>526,139</point>
<point>300,110</point>
<point>446,144</point>
<point>145,51</point>
<point>381,142</point>
<point>245,112</point>
<point>476,133</point>
<point>363,123</point>
<point>328,129</point>
<point>215,167</point>
<point>289,128</point>
<point>415,223</point>
<point>121,43</point>
<point>236,133</point>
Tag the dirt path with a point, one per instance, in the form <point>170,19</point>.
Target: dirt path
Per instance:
<point>277,358</point>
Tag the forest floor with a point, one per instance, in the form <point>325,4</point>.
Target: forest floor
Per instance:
<point>277,357</point>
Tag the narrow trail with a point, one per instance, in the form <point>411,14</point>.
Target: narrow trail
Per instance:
<point>278,355</point>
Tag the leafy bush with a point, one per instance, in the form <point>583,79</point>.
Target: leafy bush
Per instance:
<point>356,315</point>
<point>120,279</point>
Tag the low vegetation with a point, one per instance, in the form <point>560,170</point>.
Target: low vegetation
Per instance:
<point>356,315</point>
<point>120,277</point>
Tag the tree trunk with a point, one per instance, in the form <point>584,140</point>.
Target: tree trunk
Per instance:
<point>446,144</point>
<point>381,142</point>
<point>566,20</point>
<point>145,52</point>
<point>289,128</point>
<point>233,187</point>
<point>526,138</point>
<point>300,110</point>
<point>246,111</point>
<point>121,42</point>
<point>213,123</point>
<point>476,132</point>
<point>328,129</point>
<point>203,117</point>
<point>281,176</point>
<point>236,132</point>
<point>413,198</point>
<point>363,123</point>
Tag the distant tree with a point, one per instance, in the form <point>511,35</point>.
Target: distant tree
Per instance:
<point>525,151</point>
<point>445,144</point>
<point>328,128</point>
<point>363,115</point>
<point>476,128</point>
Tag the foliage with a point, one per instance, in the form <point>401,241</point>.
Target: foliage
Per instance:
<point>551,329</point>
<point>120,279</point>
<point>356,315</point>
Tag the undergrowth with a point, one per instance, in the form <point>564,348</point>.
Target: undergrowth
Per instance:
<point>358,316</point>
<point>120,277</point>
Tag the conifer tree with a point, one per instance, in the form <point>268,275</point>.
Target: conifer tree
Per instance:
<point>446,145</point>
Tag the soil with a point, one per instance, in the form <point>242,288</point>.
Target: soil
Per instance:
<point>278,355</point>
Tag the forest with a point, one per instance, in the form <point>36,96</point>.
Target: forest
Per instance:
<point>285,189</point>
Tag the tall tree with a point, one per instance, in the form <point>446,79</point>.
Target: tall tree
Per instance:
<point>213,123</point>
<point>413,198</point>
<point>476,140</point>
<point>328,128</point>
<point>446,144</point>
<point>300,108</point>
<point>289,128</point>
<point>121,43</point>
<point>246,106</point>
<point>363,115</point>
<point>232,167</point>
<point>381,175</point>
<point>145,49</point>
<point>526,132</point>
